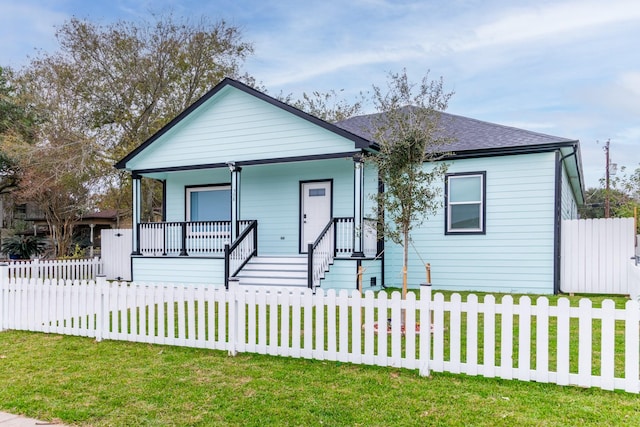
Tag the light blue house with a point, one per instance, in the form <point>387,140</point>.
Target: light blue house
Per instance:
<point>259,191</point>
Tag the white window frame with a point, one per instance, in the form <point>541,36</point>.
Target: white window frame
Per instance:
<point>481,203</point>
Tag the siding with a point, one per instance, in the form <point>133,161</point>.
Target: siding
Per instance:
<point>568,200</point>
<point>515,254</point>
<point>178,270</point>
<point>344,275</point>
<point>271,195</point>
<point>235,126</point>
<point>178,181</point>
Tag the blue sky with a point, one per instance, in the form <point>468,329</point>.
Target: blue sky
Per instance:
<point>563,67</point>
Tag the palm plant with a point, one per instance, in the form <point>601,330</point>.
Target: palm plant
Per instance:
<point>23,247</point>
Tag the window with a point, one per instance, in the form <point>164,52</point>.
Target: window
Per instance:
<point>210,203</point>
<point>465,207</point>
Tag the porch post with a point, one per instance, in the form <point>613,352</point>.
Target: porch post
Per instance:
<point>358,204</point>
<point>135,191</point>
<point>235,199</point>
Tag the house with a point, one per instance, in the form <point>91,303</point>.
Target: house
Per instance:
<point>257,190</point>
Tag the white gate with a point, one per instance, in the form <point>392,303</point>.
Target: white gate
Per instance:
<point>595,255</point>
<point>116,253</point>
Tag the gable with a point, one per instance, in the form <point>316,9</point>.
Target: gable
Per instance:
<point>238,124</point>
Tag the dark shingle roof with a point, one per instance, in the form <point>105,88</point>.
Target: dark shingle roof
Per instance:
<point>467,134</point>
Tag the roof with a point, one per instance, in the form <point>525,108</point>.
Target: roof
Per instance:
<point>359,142</point>
<point>467,134</point>
<point>477,138</point>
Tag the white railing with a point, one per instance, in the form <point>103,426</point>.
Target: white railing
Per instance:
<point>320,255</point>
<point>345,235</point>
<point>200,238</point>
<point>61,269</point>
<point>239,252</point>
<point>584,346</point>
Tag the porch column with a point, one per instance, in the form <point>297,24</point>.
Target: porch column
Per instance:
<point>235,199</point>
<point>135,192</point>
<point>358,205</point>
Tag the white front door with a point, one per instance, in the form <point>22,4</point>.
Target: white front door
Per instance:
<point>315,211</point>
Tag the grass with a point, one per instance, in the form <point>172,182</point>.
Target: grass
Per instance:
<point>80,382</point>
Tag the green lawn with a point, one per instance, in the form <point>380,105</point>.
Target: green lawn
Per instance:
<point>78,381</point>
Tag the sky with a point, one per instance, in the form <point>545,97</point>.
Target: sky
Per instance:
<point>560,67</point>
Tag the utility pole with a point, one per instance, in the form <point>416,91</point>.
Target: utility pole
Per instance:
<point>606,191</point>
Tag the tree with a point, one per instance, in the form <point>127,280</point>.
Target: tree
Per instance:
<point>106,90</point>
<point>411,144</point>
<point>327,106</point>
<point>17,127</point>
<point>595,200</point>
<point>623,195</point>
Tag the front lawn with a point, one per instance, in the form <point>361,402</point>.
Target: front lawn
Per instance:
<point>79,381</point>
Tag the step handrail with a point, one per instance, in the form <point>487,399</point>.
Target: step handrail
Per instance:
<point>240,251</point>
<point>320,254</point>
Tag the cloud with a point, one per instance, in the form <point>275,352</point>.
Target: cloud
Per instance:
<point>550,21</point>
<point>25,27</point>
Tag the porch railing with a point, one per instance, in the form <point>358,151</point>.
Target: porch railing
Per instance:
<point>199,238</point>
<point>320,254</point>
<point>346,234</point>
<point>240,252</point>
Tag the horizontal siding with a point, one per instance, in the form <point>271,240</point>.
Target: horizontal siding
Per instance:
<point>179,270</point>
<point>177,182</point>
<point>569,205</point>
<point>271,194</point>
<point>235,126</point>
<point>515,254</point>
<point>343,274</point>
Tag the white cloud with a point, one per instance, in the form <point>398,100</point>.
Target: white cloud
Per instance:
<point>25,27</point>
<point>550,21</point>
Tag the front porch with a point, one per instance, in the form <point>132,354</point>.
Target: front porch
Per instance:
<point>339,240</point>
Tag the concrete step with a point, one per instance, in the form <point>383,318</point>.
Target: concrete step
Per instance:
<point>258,272</point>
<point>278,260</point>
<point>272,281</point>
<point>274,271</point>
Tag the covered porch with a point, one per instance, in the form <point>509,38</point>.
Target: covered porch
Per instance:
<point>281,210</point>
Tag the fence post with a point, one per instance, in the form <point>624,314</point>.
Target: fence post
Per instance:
<point>4,300</point>
<point>232,292</point>
<point>425,329</point>
<point>101,284</point>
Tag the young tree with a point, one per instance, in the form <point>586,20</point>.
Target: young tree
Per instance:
<point>412,143</point>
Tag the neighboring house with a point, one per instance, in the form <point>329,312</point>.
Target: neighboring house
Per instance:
<point>28,218</point>
<point>239,166</point>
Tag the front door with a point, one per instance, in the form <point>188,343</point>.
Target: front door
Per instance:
<point>315,210</point>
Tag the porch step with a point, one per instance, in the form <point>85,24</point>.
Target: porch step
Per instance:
<point>274,271</point>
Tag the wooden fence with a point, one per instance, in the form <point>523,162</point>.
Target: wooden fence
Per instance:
<point>116,253</point>
<point>595,254</point>
<point>61,269</point>
<point>582,346</point>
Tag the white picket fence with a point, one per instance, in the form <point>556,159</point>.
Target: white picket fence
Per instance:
<point>595,254</point>
<point>582,346</point>
<point>61,269</point>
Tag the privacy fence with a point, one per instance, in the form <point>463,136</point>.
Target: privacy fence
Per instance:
<point>584,346</point>
<point>596,256</point>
